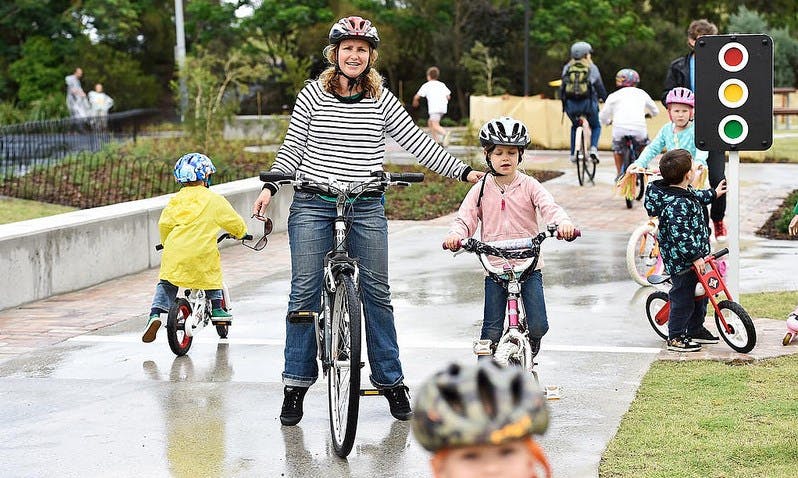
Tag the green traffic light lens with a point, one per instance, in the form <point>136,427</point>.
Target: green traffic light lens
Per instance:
<point>733,129</point>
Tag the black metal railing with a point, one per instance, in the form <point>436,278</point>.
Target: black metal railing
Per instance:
<point>26,144</point>
<point>85,180</point>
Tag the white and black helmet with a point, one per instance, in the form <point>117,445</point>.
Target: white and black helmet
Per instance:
<point>504,131</point>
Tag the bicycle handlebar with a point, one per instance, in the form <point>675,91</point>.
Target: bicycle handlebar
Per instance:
<point>523,248</point>
<point>720,253</point>
<point>381,180</point>
<point>226,235</point>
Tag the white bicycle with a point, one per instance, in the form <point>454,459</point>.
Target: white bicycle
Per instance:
<point>192,312</point>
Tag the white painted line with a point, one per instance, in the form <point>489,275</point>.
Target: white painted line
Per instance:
<point>414,345</point>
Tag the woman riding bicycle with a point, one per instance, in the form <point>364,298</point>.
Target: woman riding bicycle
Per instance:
<point>626,110</point>
<point>505,205</point>
<point>337,130</point>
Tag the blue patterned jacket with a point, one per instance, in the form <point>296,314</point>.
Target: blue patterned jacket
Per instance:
<point>683,223</point>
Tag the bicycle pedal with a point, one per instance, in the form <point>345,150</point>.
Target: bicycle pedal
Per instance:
<point>302,317</point>
<point>370,392</point>
<point>221,322</point>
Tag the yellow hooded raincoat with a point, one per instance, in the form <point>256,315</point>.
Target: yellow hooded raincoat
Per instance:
<point>189,226</point>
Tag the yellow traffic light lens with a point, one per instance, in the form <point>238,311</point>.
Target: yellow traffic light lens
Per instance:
<point>733,93</point>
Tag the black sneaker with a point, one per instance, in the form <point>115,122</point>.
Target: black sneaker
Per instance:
<point>534,343</point>
<point>291,413</point>
<point>399,401</point>
<point>683,344</point>
<point>704,336</point>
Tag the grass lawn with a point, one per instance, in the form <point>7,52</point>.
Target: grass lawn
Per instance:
<point>713,419</point>
<point>13,210</point>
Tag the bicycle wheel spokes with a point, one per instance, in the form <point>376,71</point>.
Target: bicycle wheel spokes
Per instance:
<point>739,333</point>
<point>642,255</point>
<point>344,375</point>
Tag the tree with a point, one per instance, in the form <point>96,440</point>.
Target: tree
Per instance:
<point>785,47</point>
<point>481,65</point>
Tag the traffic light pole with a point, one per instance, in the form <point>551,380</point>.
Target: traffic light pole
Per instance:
<point>733,216</point>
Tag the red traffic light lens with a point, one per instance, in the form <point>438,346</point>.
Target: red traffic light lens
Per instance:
<point>733,56</point>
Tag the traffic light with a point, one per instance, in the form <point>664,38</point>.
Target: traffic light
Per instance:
<point>734,92</point>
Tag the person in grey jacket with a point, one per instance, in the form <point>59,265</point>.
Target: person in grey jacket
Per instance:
<point>583,101</point>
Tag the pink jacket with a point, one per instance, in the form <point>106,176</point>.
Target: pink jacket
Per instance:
<point>511,214</point>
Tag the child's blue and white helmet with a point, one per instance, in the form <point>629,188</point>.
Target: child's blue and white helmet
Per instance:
<point>193,167</point>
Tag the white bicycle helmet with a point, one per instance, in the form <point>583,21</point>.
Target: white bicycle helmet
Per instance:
<point>504,131</point>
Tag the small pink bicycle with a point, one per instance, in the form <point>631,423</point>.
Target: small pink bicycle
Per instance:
<point>513,347</point>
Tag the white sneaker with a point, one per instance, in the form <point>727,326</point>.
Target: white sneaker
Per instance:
<point>594,154</point>
<point>152,329</point>
<point>572,158</point>
<point>482,347</point>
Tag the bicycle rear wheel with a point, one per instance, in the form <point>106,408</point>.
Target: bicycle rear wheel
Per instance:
<point>642,255</point>
<point>343,380</point>
<point>657,309</point>
<point>179,342</point>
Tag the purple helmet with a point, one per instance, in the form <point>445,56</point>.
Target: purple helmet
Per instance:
<point>627,77</point>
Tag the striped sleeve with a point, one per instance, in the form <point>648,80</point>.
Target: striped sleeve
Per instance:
<point>289,156</point>
<point>429,153</point>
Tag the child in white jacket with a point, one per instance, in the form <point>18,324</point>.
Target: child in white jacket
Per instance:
<point>626,110</point>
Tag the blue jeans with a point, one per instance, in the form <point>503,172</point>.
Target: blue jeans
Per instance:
<point>589,109</point>
<point>310,234</point>
<point>496,306</point>
<point>686,314</point>
<point>165,293</point>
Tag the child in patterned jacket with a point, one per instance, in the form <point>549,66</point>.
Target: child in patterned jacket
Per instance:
<point>684,242</point>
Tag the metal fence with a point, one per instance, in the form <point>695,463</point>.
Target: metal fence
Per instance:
<point>87,179</point>
<point>24,145</point>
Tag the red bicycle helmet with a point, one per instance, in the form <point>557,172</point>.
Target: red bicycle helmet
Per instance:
<point>354,28</point>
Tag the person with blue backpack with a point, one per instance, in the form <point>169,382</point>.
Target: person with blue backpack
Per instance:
<point>580,91</point>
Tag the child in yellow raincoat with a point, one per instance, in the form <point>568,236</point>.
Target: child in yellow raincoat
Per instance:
<point>188,227</point>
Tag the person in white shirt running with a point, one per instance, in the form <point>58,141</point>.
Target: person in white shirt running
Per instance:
<point>626,110</point>
<point>438,96</point>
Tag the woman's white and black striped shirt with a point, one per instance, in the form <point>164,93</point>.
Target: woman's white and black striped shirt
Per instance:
<point>328,138</point>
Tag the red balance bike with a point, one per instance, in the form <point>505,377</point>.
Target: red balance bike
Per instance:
<point>734,324</point>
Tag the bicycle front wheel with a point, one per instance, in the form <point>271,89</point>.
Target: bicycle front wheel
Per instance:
<point>343,380</point>
<point>740,333</point>
<point>642,254</point>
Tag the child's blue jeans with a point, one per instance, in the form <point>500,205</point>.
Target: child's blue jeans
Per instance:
<point>496,306</point>
<point>166,292</point>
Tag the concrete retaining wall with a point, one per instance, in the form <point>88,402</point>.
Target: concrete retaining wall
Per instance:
<point>67,252</point>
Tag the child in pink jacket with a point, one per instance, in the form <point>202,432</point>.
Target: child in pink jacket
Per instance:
<point>505,204</point>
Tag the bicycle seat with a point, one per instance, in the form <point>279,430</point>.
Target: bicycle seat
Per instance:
<point>658,279</point>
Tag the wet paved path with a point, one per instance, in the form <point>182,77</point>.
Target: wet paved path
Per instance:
<point>82,396</point>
